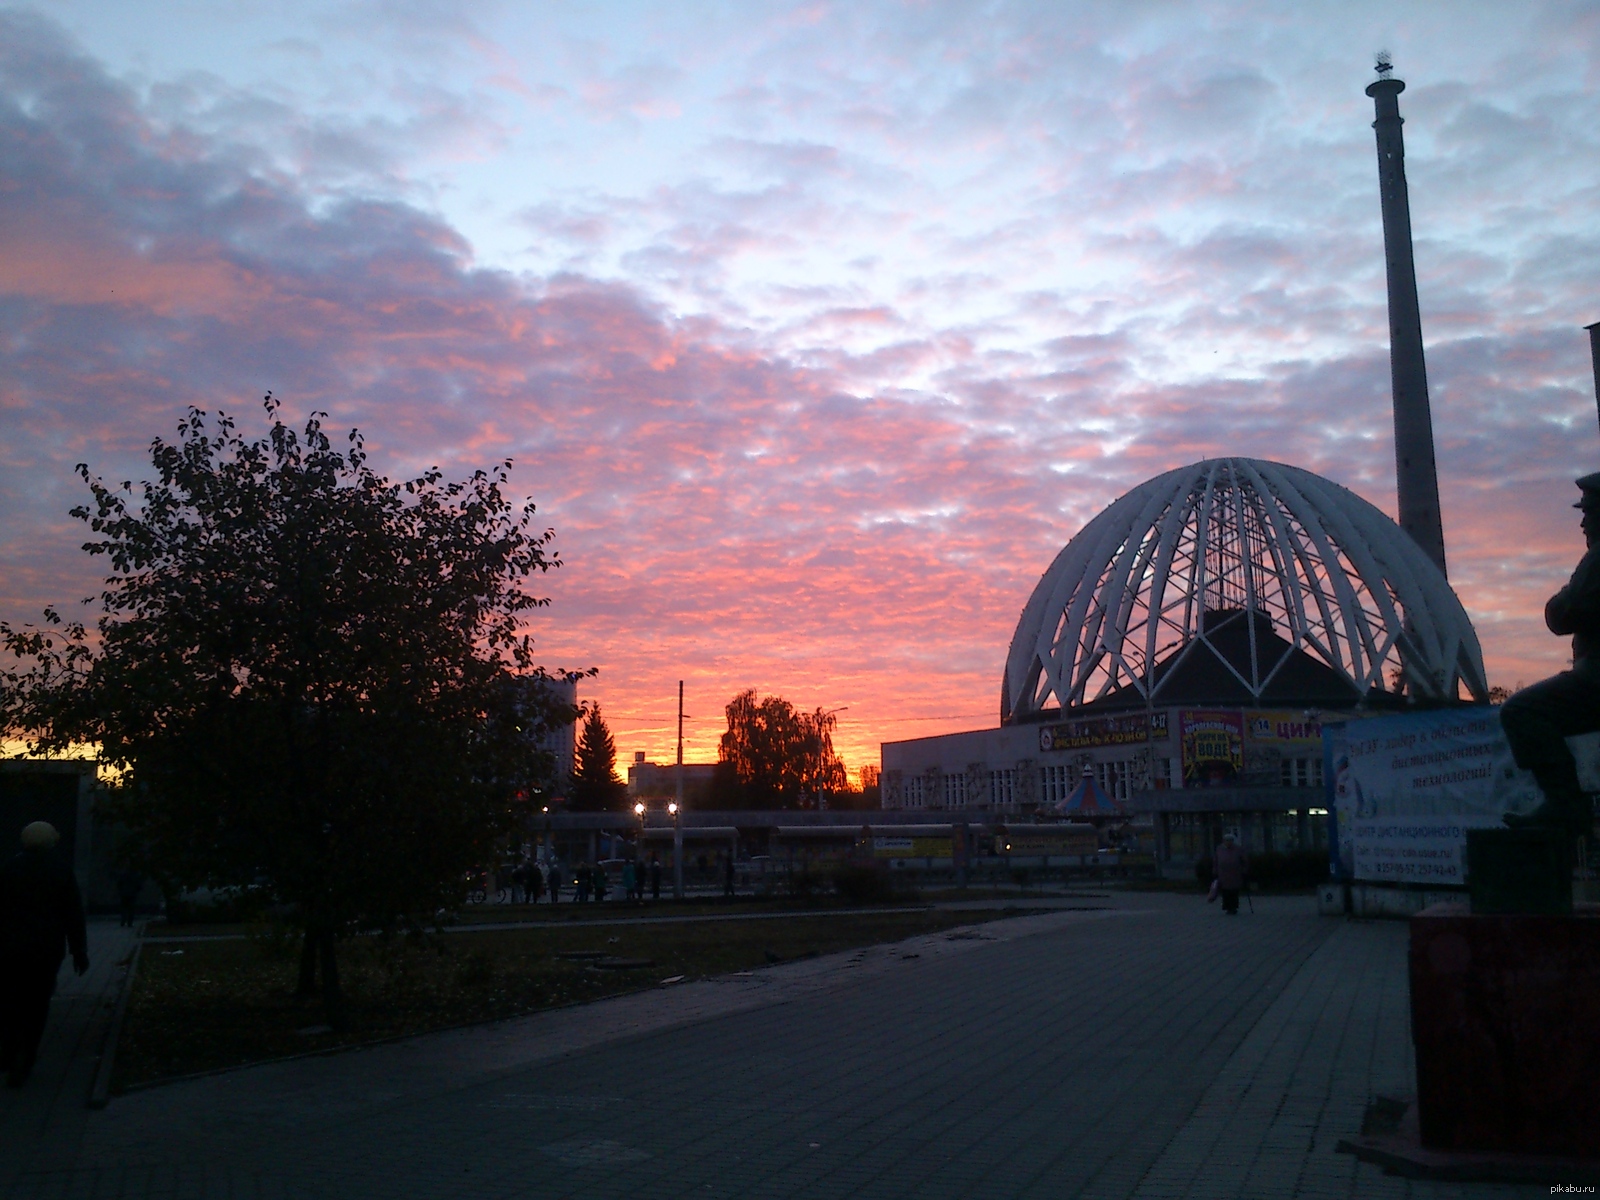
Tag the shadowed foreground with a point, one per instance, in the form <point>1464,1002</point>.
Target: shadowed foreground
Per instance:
<point>1154,1050</point>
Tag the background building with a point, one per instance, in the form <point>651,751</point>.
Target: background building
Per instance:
<point>1186,647</point>
<point>562,740</point>
<point>648,780</point>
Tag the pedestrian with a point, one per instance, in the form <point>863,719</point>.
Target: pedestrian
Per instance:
<point>655,877</point>
<point>1231,866</point>
<point>535,882</point>
<point>555,882</point>
<point>630,879</point>
<point>41,917</point>
<point>727,876</point>
<point>129,884</point>
<point>519,883</point>
<point>580,881</point>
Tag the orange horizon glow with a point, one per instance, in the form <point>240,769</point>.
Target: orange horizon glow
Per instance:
<point>813,406</point>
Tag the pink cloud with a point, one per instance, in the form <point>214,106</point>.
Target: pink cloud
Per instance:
<point>730,514</point>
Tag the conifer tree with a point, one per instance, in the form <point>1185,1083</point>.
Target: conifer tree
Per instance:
<point>596,786</point>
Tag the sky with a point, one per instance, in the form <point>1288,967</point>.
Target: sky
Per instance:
<point>814,330</point>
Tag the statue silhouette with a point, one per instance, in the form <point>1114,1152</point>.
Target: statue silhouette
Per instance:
<point>1539,719</point>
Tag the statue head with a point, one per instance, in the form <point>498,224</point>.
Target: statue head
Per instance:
<point>1589,504</point>
<point>39,836</point>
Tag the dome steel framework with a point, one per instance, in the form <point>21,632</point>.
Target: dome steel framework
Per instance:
<point>1128,598</point>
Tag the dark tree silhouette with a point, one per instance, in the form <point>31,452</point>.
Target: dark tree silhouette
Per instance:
<point>313,681</point>
<point>775,756</point>
<point>596,786</point>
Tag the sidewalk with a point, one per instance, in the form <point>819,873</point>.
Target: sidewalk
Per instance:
<point>1152,1050</point>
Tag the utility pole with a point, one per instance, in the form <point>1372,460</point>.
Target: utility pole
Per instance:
<point>677,809</point>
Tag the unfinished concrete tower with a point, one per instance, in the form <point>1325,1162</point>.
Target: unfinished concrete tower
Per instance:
<point>1416,475</point>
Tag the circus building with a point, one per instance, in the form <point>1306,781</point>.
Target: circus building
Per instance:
<point>1175,663</point>
<point>1183,651</point>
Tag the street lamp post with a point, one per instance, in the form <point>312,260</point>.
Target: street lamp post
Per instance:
<point>677,849</point>
<point>677,808</point>
<point>638,851</point>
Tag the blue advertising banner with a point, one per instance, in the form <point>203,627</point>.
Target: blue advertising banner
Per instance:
<point>1404,790</point>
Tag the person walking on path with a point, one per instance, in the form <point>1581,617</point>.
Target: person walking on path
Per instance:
<point>519,883</point>
<point>555,882</point>
<point>630,880</point>
<point>129,884</point>
<point>655,877</point>
<point>535,882</point>
<point>1231,866</point>
<point>41,916</point>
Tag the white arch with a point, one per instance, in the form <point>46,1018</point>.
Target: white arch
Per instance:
<point>1338,578</point>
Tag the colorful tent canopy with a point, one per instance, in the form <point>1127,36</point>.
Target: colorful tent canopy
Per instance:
<point>1088,799</point>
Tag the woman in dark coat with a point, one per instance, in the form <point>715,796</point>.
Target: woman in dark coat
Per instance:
<point>1231,866</point>
<point>41,917</point>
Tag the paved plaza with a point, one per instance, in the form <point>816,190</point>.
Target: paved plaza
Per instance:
<point>1152,1049</point>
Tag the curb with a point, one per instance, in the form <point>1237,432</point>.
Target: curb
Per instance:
<point>100,1089</point>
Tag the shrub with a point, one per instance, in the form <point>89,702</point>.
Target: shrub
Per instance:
<point>225,906</point>
<point>863,885</point>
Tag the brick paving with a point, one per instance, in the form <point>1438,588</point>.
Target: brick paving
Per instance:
<point>1156,1050</point>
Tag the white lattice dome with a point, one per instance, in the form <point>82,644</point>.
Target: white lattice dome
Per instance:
<point>1166,578</point>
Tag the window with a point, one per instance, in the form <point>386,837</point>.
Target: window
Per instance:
<point>955,791</point>
<point>1302,772</point>
<point>1115,778</point>
<point>1055,784</point>
<point>1003,789</point>
<point>911,792</point>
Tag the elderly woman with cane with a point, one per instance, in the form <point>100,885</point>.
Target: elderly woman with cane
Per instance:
<point>1231,865</point>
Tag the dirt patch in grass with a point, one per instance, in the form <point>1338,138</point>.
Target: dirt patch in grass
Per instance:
<point>206,1005</point>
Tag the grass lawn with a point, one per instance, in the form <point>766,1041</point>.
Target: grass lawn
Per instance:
<point>568,911</point>
<point>209,1004</point>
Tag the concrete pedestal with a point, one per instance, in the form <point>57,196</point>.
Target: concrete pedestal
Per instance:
<point>1505,1017</point>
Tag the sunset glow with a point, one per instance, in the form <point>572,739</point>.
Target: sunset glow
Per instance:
<point>813,330</point>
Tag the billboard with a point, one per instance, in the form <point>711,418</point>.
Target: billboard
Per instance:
<point>1104,731</point>
<point>1404,790</point>
<point>911,847</point>
<point>1284,727</point>
<point>1212,745</point>
<point>1078,840</point>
